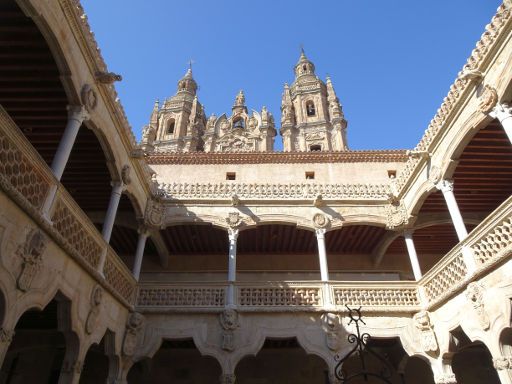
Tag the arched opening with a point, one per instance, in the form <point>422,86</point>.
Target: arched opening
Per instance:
<point>37,350</point>
<point>170,126</point>
<point>32,92</point>
<point>177,361</point>
<point>96,364</point>
<point>472,362</point>
<point>310,108</point>
<point>196,253</point>
<point>315,147</point>
<point>238,122</point>
<point>418,371</point>
<point>282,361</point>
<point>277,252</point>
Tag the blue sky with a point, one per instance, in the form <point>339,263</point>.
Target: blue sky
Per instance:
<point>391,62</point>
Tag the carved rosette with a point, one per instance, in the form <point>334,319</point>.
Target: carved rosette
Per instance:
<point>320,221</point>
<point>89,97</point>
<point>488,99</point>
<point>396,215</point>
<point>31,252</point>
<point>94,312</point>
<point>154,216</point>
<point>229,322</point>
<point>427,335</point>
<point>475,295</point>
<point>331,325</point>
<point>131,337</point>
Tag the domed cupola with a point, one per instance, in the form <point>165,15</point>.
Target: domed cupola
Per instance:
<point>187,83</point>
<point>304,66</point>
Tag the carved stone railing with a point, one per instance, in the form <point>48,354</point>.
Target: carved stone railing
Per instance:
<point>488,244</point>
<point>27,179</point>
<point>76,229</point>
<point>18,165</point>
<point>184,295</point>
<point>288,191</point>
<point>119,277</point>
<point>289,294</point>
<point>392,296</point>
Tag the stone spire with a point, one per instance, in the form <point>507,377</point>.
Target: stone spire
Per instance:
<point>304,66</point>
<point>153,120</point>
<point>187,83</point>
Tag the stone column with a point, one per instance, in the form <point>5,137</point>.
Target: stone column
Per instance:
<point>503,112</point>
<point>76,116</point>
<point>233,236</point>
<point>442,369</point>
<point>322,255</point>
<point>446,187</point>
<point>413,257</point>
<point>227,378</point>
<point>139,253</point>
<point>110,217</point>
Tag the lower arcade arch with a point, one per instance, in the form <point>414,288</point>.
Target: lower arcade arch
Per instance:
<point>98,360</point>
<point>177,361</point>
<point>41,343</point>
<point>282,361</point>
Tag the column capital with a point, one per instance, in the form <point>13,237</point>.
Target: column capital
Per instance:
<point>501,111</point>
<point>143,230</point>
<point>77,112</point>
<point>445,186</point>
<point>118,186</point>
<point>320,232</point>
<point>233,234</point>
<point>407,233</point>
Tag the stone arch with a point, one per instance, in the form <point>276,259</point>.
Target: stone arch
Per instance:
<point>308,366</point>
<point>101,361</point>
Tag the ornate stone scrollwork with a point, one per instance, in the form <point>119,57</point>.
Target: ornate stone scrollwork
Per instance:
<point>503,363</point>
<point>320,221</point>
<point>89,97</point>
<point>475,295</point>
<point>234,220</point>
<point>94,312</point>
<point>427,335</point>
<point>396,215</point>
<point>229,322</point>
<point>131,335</point>
<point>331,324</point>
<point>154,215</point>
<point>31,252</point>
<point>488,99</point>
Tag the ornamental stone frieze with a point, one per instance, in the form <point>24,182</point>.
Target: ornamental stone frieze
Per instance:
<point>31,253</point>
<point>289,191</point>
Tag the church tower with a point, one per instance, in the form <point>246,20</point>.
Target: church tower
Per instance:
<point>311,115</point>
<point>180,123</point>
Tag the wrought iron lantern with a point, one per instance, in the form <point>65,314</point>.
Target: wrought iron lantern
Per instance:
<point>383,372</point>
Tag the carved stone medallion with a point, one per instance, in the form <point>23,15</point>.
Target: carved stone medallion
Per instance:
<point>88,97</point>
<point>396,215</point>
<point>488,99</point>
<point>154,213</point>
<point>133,327</point>
<point>320,220</point>
<point>229,322</point>
<point>94,312</point>
<point>234,220</point>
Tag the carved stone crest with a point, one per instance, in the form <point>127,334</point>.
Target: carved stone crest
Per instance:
<point>475,295</point>
<point>331,324</point>
<point>88,97</point>
<point>396,215</point>
<point>94,312</point>
<point>154,213</point>
<point>320,220</point>
<point>31,252</point>
<point>131,335</point>
<point>229,322</point>
<point>427,335</point>
<point>488,99</point>
<point>234,220</point>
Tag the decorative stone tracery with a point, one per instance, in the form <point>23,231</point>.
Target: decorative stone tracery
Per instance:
<point>94,313</point>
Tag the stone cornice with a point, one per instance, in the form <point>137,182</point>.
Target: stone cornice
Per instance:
<point>278,157</point>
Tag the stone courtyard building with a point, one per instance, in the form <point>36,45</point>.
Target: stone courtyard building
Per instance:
<point>202,255</point>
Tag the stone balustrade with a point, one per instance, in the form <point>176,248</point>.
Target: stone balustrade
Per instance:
<point>27,179</point>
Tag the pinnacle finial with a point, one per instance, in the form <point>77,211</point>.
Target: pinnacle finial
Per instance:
<point>240,98</point>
